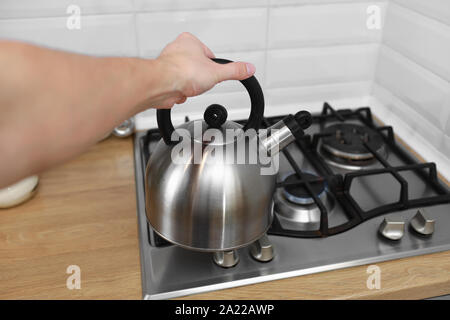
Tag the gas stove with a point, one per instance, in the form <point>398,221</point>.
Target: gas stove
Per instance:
<point>347,194</point>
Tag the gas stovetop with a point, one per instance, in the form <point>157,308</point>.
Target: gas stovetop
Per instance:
<point>348,194</point>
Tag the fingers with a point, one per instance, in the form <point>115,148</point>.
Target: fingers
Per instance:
<point>235,71</point>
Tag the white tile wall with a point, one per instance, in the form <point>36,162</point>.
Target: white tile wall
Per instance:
<point>228,30</point>
<point>413,128</point>
<point>50,8</point>
<point>315,66</point>
<point>170,5</point>
<point>309,96</point>
<point>419,88</point>
<point>99,35</point>
<point>300,2</point>
<point>420,125</point>
<point>305,51</point>
<point>437,9</point>
<point>316,25</point>
<point>412,76</point>
<point>445,147</point>
<point>422,39</point>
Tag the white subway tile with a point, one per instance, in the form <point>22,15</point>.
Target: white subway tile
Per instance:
<point>301,2</point>
<point>314,25</point>
<point>421,39</point>
<point>419,124</point>
<point>327,92</point>
<point>320,65</point>
<point>419,88</point>
<point>438,9</point>
<point>426,139</point>
<point>50,8</point>
<point>164,5</point>
<point>228,30</point>
<point>99,35</point>
<point>446,148</point>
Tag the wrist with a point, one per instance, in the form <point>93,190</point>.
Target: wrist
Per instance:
<point>168,73</point>
<point>161,84</point>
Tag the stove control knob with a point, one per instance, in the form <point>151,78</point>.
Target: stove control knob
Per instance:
<point>226,259</point>
<point>125,129</point>
<point>392,228</point>
<point>262,250</point>
<point>422,223</point>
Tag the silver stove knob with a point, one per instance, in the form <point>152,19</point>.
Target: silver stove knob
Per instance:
<point>125,129</point>
<point>262,249</point>
<point>422,223</point>
<point>226,259</point>
<point>392,228</point>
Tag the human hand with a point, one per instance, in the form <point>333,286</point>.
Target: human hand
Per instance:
<point>191,71</point>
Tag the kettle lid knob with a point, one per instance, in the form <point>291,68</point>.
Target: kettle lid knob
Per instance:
<point>215,116</point>
<point>304,119</point>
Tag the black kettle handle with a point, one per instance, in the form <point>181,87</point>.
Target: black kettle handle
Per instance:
<point>254,121</point>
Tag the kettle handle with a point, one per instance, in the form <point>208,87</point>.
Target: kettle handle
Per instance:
<point>254,121</point>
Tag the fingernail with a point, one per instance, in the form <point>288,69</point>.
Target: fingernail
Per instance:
<point>250,69</point>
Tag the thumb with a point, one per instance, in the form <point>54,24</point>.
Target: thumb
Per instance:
<point>235,71</point>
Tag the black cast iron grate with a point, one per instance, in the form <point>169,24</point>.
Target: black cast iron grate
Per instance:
<point>339,185</point>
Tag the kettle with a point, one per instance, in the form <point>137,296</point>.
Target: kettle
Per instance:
<point>206,202</point>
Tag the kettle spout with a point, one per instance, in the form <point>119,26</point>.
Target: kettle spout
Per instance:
<point>285,131</point>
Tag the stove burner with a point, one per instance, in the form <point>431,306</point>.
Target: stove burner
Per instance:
<point>344,146</point>
<point>296,208</point>
<point>298,193</point>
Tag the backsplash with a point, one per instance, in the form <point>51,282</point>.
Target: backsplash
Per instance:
<point>305,52</point>
<point>412,80</point>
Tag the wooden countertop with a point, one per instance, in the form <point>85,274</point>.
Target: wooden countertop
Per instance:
<point>85,214</point>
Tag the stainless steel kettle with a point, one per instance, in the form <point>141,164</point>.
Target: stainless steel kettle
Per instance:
<point>209,203</point>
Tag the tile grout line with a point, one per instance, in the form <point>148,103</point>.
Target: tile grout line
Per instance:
<point>266,46</point>
<point>136,32</point>
<point>380,43</point>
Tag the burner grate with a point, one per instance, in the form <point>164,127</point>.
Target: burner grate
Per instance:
<point>340,185</point>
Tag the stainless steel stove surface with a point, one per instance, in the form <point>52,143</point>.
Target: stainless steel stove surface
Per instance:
<point>336,187</point>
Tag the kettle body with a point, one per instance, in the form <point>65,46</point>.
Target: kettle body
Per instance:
<point>206,202</point>
<point>210,205</point>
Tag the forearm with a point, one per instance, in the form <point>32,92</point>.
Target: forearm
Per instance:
<point>53,105</point>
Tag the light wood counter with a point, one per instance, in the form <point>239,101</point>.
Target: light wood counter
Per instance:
<point>85,214</point>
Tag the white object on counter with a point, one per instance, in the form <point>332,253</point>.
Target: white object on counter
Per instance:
<point>18,192</point>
